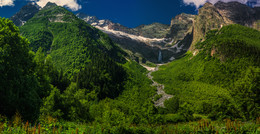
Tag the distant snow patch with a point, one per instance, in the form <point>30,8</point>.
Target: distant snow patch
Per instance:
<point>178,48</point>
<point>172,58</point>
<point>123,34</point>
<point>23,22</point>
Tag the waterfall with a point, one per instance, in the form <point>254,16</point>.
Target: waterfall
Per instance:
<point>160,56</point>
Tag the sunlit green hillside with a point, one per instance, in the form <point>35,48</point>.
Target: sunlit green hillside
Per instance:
<point>222,80</point>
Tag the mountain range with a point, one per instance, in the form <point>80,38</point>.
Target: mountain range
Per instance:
<point>145,42</point>
<point>181,35</point>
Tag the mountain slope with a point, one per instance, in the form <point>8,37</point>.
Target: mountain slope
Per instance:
<point>222,80</point>
<point>146,42</point>
<point>26,13</point>
<point>180,26</point>
<point>235,12</point>
<point>70,41</point>
<point>154,30</point>
<point>215,16</point>
<point>207,19</point>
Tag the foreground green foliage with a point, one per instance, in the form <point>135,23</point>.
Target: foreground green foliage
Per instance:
<point>19,86</point>
<point>52,125</point>
<point>222,81</point>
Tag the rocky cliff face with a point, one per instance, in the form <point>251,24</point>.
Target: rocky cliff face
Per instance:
<point>215,16</point>
<point>26,13</point>
<point>155,30</point>
<point>235,12</point>
<point>180,26</point>
<point>208,18</point>
<point>238,13</point>
<point>88,19</point>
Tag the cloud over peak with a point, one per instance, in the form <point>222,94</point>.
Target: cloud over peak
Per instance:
<point>71,4</point>
<point>6,3</point>
<point>199,3</point>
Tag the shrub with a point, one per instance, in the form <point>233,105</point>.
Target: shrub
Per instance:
<point>172,105</point>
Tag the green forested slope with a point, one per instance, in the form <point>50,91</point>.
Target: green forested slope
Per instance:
<point>94,97</point>
<point>222,81</point>
<point>80,75</point>
<point>70,41</point>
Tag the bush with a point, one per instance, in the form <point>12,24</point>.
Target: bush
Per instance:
<point>186,111</point>
<point>224,109</point>
<point>157,97</point>
<point>172,105</point>
<point>174,118</point>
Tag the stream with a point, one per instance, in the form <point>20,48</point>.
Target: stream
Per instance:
<point>160,87</point>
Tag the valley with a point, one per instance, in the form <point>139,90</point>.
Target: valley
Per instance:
<point>63,71</point>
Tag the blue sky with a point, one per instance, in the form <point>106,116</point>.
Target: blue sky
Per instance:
<point>130,13</point>
<point>133,13</point>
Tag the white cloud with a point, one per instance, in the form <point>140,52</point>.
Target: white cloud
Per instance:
<point>196,3</point>
<point>6,3</point>
<point>199,3</point>
<point>71,4</point>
